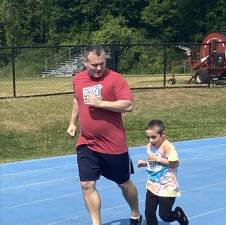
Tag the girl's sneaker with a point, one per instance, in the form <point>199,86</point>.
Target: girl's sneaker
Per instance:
<point>182,218</point>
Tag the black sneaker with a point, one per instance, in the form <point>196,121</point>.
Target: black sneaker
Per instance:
<point>138,221</point>
<point>182,218</point>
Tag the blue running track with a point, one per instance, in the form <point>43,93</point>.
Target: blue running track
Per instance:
<point>47,191</point>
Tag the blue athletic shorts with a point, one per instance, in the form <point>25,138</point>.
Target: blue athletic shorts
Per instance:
<point>93,164</point>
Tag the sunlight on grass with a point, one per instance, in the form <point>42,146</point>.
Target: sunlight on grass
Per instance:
<point>36,127</point>
<point>53,85</point>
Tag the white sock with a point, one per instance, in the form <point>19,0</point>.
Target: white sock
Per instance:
<point>135,218</point>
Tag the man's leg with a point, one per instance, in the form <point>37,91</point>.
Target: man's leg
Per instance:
<point>92,200</point>
<point>129,192</point>
<point>118,169</point>
<point>89,172</point>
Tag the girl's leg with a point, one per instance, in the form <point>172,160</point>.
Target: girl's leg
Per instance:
<point>166,213</point>
<point>151,205</point>
<point>165,209</point>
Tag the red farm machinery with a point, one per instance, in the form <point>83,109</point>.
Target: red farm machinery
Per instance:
<point>207,63</point>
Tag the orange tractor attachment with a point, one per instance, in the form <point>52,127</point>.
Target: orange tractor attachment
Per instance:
<point>209,65</point>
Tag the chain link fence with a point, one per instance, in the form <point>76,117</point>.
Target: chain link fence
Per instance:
<point>30,71</point>
<point>36,127</point>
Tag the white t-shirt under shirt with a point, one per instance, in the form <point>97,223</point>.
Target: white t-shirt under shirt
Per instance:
<point>162,179</point>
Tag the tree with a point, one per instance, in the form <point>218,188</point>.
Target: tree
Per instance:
<point>160,19</point>
<point>115,29</point>
<point>199,17</point>
<point>26,22</point>
<point>216,16</point>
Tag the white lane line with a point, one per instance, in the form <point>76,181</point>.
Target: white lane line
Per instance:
<point>56,167</point>
<point>202,169</point>
<point>62,196</point>
<point>42,200</point>
<point>45,182</point>
<point>41,159</point>
<point>130,148</point>
<point>39,183</point>
<point>204,187</point>
<point>74,165</point>
<point>208,213</point>
<point>206,158</point>
<point>85,214</point>
<point>124,205</point>
<point>185,148</point>
<point>77,177</point>
<point>35,170</point>
<point>202,139</point>
<point>73,194</point>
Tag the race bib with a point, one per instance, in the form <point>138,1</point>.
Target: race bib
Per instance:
<point>154,166</point>
<point>93,90</point>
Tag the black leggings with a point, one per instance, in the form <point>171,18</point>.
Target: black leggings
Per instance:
<point>165,208</point>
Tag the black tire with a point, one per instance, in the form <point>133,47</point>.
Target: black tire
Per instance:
<point>202,77</point>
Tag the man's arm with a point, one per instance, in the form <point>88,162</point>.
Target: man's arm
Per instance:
<point>115,106</point>
<point>74,117</point>
<point>120,106</point>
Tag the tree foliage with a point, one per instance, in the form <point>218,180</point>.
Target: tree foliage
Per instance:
<point>35,22</point>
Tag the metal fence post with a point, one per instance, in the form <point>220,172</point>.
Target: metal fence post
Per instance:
<point>164,67</point>
<point>113,55</point>
<point>210,68</point>
<point>14,70</point>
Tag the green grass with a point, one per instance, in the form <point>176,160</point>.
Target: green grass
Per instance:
<point>36,127</point>
<point>36,86</point>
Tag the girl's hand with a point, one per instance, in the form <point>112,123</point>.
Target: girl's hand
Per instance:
<point>141,163</point>
<point>151,157</point>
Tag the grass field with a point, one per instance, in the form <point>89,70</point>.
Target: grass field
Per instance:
<point>51,85</point>
<point>36,127</point>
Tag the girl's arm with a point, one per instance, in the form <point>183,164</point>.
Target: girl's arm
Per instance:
<point>163,161</point>
<point>142,163</point>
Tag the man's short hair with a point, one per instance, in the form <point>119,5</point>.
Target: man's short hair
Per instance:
<point>97,49</point>
<point>156,123</point>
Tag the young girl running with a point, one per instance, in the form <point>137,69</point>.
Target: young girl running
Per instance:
<point>162,186</point>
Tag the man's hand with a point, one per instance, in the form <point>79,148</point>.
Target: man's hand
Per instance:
<point>71,130</point>
<point>93,100</point>
<point>141,163</point>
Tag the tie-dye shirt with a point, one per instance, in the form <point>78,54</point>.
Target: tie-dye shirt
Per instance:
<point>162,179</point>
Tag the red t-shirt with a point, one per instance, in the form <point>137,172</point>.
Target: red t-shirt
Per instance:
<point>101,130</point>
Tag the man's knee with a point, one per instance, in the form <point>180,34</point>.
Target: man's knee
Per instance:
<point>87,185</point>
<point>126,186</point>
